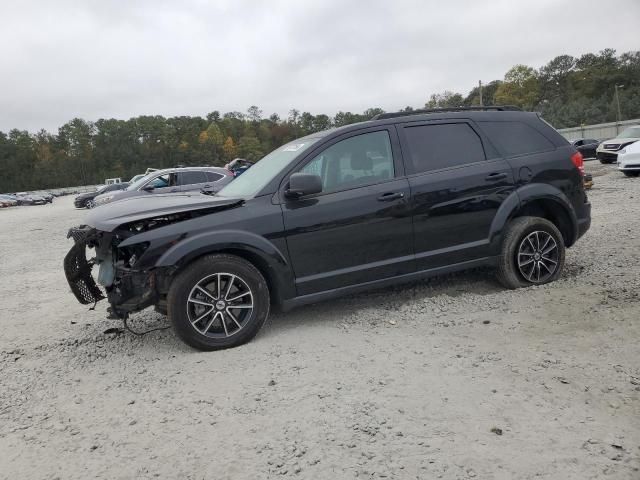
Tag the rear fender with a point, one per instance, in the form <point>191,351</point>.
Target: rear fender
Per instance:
<point>518,200</point>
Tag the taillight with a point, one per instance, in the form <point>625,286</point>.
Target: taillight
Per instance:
<point>578,161</point>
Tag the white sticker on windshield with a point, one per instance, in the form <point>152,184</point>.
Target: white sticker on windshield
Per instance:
<point>294,147</point>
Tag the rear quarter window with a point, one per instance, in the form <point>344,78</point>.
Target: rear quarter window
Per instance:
<point>213,177</point>
<point>516,138</point>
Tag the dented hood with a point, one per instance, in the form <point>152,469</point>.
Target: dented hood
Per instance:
<point>108,217</point>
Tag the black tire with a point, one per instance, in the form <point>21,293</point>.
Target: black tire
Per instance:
<point>631,174</point>
<point>509,273</point>
<point>180,308</point>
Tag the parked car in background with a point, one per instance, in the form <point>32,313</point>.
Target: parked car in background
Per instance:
<point>586,146</point>
<point>9,200</point>
<point>48,196</point>
<point>172,180</point>
<point>86,200</point>
<point>629,160</point>
<point>402,197</point>
<point>607,151</point>
<point>135,178</point>
<point>238,166</point>
<point>25,198</point>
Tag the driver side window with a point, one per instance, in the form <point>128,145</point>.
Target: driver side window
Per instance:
<point>162,181</point>
<point>354,162</point>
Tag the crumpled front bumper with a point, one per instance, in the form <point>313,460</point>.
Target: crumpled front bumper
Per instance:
<point>127,289</point>
<point>77,268</point>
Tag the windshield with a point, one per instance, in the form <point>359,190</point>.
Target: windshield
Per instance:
<point>258,176</point>
<point>138,183</point>
<point>631,132</point>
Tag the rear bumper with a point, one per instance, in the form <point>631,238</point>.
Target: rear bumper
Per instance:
<point>584,223</point>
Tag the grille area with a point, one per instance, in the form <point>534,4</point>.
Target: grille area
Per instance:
<point>607,157</point>
<point>77,268</point>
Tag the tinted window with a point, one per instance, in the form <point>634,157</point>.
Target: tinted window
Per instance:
<point>161,181</point>
<point>516,138</point>
<point>213,177</point>
<point>357,161</point>
<point>432,147</point>
<point>189,178</point>
<point>113,186</point>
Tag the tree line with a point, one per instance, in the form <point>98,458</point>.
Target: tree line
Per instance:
<point>567,91</point>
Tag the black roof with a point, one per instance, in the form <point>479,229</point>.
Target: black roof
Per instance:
<point>489,113</point>
<point>499,108</point>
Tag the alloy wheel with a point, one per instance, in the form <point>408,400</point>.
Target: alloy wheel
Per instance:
<point>220,305</point>
<point>538,256</point>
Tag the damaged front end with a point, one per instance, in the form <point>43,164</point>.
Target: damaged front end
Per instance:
<point>124,240</point>
<point>127,289</point>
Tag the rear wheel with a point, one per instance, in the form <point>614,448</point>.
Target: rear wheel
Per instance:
<point>219,301</point>
<point>533,253</point>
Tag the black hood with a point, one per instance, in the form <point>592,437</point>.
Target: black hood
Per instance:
<point>87,195</point>
<point>108,217</point>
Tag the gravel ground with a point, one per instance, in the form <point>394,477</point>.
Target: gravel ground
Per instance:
<point>450,378</point>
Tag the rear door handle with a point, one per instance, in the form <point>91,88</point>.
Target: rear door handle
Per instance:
<point>387,197</point>
<point>494,177</point>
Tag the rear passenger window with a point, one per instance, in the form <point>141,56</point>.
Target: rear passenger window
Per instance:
<point>433,147</point>
<point>213,177</point>
<point>516,138</point>
<point>193,177</point>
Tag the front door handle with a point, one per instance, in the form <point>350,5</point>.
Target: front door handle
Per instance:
<point>494,177</point>
<point>387,197</point>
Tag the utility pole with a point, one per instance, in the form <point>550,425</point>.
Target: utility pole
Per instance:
<point>618,116</point>
<point>480,85</point>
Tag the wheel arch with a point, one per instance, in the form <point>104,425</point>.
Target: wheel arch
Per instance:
<point>255,249</point>
<point>539,200</point>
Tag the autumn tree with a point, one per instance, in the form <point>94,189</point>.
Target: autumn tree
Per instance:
<point>229,149</point>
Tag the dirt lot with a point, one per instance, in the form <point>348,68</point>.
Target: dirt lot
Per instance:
<point>451,378</point>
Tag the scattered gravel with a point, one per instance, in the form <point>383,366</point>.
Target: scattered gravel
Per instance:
<point>448,378</point>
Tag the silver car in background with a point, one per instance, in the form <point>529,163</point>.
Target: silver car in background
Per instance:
<point>172,180</point>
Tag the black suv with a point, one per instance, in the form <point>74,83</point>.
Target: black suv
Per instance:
<point>401,197</point>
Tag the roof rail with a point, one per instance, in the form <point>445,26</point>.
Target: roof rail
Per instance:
<point>501,108</point>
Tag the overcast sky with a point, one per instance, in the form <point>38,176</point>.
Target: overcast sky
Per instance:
<point>105,58</point>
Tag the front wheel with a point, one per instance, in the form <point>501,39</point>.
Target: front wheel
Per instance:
<point>218,301</point>
<point>533,253</point>
<point>631,174</point>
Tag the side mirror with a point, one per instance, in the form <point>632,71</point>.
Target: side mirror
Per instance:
<point>148,188</point>
<point>301,184</point>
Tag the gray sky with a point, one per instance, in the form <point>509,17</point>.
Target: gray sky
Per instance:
<point>105,58</point>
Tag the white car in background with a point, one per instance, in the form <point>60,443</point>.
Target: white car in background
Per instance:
<point>608,150</point>
<point>629,160</point>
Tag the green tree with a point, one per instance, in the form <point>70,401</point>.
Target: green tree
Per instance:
<point>520,88</point>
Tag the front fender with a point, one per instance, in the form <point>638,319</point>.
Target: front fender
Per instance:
<point>266,256</point>
<point>196,245</point>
